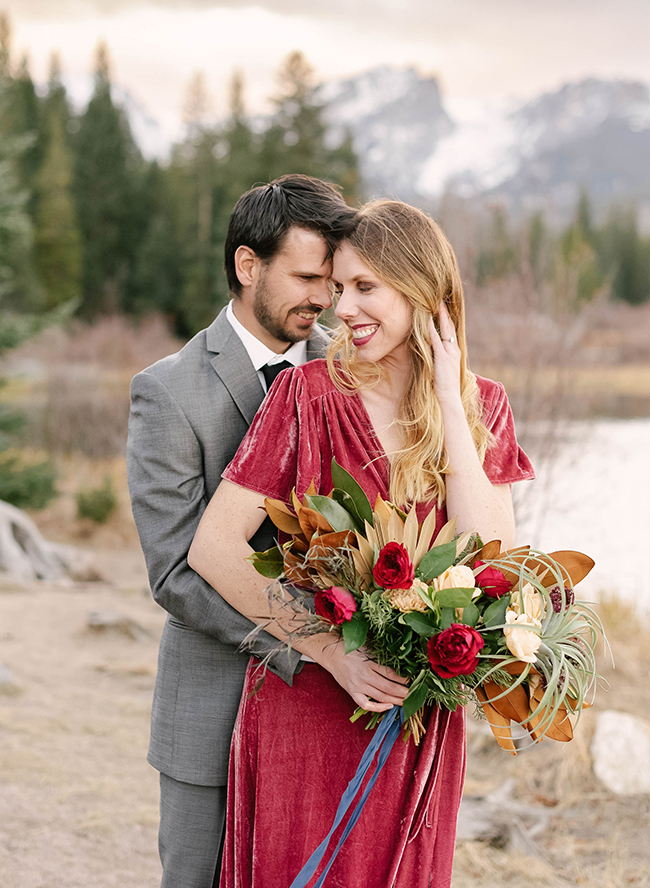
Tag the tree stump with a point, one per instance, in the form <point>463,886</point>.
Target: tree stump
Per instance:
<point>24,554</point>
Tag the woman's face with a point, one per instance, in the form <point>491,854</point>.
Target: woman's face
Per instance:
<point>378,316</point>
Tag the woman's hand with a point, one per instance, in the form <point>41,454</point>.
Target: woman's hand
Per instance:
<point>371,686</point>
<point>446,353</point>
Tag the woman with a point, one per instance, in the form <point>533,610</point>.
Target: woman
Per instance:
<point>398,407</point>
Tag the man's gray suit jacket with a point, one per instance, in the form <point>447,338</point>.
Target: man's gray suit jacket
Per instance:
<point>189,413</point>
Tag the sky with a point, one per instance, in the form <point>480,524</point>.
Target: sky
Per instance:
<point>480,50</point>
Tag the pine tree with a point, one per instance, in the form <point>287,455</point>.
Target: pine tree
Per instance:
<point>107,186</point>
<point>296,140</point>
<point>57,239</point>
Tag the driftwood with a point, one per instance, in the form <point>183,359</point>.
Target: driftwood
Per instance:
<point>24,554</point>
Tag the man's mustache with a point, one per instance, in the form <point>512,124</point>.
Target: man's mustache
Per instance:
<point>317,309</point>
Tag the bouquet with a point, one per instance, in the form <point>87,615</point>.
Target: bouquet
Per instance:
<point>461,619</point>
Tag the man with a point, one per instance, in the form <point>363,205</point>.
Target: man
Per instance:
<point>189,413</point>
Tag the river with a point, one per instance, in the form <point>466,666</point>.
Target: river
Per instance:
<point>594,496</point>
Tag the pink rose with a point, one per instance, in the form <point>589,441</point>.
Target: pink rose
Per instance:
<point>336,605</point>
<point>491,581</point>
<point>454,651</point>
<point>394,569</point>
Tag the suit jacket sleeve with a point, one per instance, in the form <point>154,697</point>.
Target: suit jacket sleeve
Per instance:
<point>168,497</point>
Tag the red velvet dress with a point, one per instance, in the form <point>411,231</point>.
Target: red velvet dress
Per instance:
<point>294,749</point>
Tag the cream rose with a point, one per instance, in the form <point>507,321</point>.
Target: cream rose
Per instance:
<point>521,640</point>
<point>458,577</point>
<point>533,602</point>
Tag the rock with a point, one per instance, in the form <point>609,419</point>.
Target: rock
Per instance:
<point>621,752</point>
<point>497,819</point>
<point>112,621</point>
<point>80,564</point>
<point>8,684</point>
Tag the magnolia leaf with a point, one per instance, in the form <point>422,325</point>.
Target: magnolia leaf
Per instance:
<point>345,481</point>
<point>421,623</point>
<point>514,705</point>
<point>471,615</point>
<point>576,564</point>
<point>344,499</point>
<point>270,563</point>
<point>335,514</point>
<point>454,597</point>
<point>447,617</point>
<point>437,560</point>
<point>354,631</point>
<point>499,723</point>
<point>491,549</point>
<point>495,613</point>
<point>282,517</point>
<point>415,699</point>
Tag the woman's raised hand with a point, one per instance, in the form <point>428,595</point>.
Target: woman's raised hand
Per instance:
<point>446,353</point>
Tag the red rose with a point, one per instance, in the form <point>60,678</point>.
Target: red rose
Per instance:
<point>491,581</point>
<point>453,651</point>
<point>394,569</point>
<point>336,605</point>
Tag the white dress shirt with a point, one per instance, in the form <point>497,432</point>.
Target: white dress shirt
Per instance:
<point>261,354</point>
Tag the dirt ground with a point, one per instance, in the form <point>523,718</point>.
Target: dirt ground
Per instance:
<point>78,802</point>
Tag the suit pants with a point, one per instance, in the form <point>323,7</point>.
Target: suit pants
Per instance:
<point>190,839</point>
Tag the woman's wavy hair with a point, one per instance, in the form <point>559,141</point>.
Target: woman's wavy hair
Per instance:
<point>408,251</point>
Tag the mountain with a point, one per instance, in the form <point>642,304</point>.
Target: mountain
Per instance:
<point>396,119</point>
<point>592,135</point>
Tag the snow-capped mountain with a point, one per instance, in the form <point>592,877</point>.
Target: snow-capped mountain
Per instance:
<point>396,119</point>
<point>592,135</point>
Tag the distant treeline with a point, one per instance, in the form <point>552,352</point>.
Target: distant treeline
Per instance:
<point>84,217</point>
<point>85,220</point>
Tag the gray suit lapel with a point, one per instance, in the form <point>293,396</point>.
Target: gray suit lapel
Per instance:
<point>234,368</point>
<point>232,364</point>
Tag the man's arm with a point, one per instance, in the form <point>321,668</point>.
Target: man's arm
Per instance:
<point>168,497</point>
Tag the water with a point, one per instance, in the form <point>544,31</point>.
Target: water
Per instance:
<point>594,496</point>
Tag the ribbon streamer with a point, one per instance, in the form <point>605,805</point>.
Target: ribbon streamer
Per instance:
<point>381,744</point>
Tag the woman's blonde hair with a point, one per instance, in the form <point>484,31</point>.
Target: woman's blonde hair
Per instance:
<point>408,251</point>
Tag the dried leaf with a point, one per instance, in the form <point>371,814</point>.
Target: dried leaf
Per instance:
<point>447,533</point>
<point>462,541</point>
<point>491,549</point>
<point>282,517</point>
<point>500,724</point>
<point>576,564</point>
<point>383,509</point>
<point>427,529</point>
<point>395,528</point>
<point>411,532</point>
<point>513,706</point>
<point>311,521</point>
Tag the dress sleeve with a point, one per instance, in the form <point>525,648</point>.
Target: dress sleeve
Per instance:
<point>278,452</point>
<point>505,462</point>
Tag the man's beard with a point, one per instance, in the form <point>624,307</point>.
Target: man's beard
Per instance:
<point>272,322</point>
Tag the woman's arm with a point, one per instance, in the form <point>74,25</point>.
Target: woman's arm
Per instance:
<point>218,553</point>
<point>477,503</point>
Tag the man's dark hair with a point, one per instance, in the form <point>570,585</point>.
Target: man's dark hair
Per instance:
<point>263,216</point>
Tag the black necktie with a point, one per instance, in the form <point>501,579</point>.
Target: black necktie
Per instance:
<point>270,371</point>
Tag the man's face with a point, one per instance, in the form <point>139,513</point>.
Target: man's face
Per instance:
<point>292,289</point>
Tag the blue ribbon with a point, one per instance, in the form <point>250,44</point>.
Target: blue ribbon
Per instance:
<point>381,744</point>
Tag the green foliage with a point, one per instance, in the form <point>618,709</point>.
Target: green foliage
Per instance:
<point>25,484</point>
<point>98,504</point>
<point>58,239</point>
<point>107,185</point>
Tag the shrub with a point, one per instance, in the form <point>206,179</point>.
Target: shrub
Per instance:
<point>24,484</point>
<point>97,504</point>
